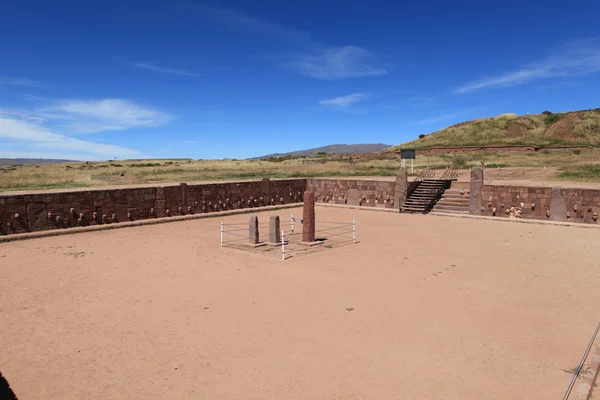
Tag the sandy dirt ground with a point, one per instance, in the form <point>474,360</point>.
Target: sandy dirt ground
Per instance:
<point>424,307</point>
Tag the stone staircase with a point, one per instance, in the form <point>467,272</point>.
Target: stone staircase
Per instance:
<point>425,196</point>
<point>453,202</point>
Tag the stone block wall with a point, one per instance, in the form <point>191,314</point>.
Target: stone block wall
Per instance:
<point>62,210</point>
<point>541,203</point>
<point>231,196</point>
<point>353,192</point>
<point>533,203</point>
<point>583,205</point>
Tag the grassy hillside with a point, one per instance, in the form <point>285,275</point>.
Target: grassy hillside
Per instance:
<point>547,128</point>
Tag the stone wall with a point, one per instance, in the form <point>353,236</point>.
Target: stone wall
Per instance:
<point>61,210</point>
<point>353,192</point>
<point>542,203</point>
<point>476,149</point>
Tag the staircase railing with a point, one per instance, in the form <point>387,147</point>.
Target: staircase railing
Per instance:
<point>451,174</point>
<point>425,174</point>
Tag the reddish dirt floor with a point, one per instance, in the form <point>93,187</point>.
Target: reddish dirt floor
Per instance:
<point>424,307</point>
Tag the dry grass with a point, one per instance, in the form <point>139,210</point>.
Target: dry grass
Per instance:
<point>98,174</point>
<point>580,127</point>
<point>151,171</point>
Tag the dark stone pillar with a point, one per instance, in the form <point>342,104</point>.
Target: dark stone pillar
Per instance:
<point>274,229</point>
<point>37,215</point>
<point>253,230</point>
<point>353,197</point>
<point>400,188</point>
<point>476,188</point>
<point>308,215</point>
<point>558,205</point>
<point>184,194</point>
<point>265,187</point>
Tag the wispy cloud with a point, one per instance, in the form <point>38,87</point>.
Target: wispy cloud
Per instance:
<point>344,101</point>
<point>243,20</point>
<point>444,117</point>
<point>79,116</point>
<point>156,68</point>
<point>20,115</point>
<point>17,134</point>
<point>317,60</point>
<point>337,63</point>
<point>18,82</point>
<point>576,58</point>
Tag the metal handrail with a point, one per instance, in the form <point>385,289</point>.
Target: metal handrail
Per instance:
<point>425,174</point>
<point>451,174</point>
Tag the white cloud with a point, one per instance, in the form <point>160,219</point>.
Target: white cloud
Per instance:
<point>21,115</point>
<point>344,101</point>
<point>18,82</point>
<point>18,134</point>
<point>573,59</point>
<point>240,19</point>
<point>104,115</point>
<point>156,68</point>
<point>318,61</point>
<point>337,63</point>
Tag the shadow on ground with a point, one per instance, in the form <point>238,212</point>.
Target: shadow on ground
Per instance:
<point>6,392</point>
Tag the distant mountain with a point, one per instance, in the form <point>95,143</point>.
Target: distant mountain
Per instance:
<point>333,149</point>
<point>28,161</point>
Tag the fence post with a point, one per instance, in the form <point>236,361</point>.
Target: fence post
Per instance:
<point>293,220</point>
<point>353,230</point>
<point>282,246</point>
<point>222,233</point>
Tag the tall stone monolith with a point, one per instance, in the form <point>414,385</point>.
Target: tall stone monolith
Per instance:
<point>253,230</point>
<point>476,188</point>
<point>558,205</point>
<point>308,215</point>
<point>274,230</point>
<point>400,188</point>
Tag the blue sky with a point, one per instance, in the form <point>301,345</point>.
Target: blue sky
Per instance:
<point>235,79</point>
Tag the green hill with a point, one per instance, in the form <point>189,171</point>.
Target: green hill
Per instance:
<point>547,128</point>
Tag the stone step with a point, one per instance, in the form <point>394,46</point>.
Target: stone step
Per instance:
<point>416,208</point>
<point>425,192</point>
<point>448,212</point>
<point>413,201</point>
<point>423,197</point>
<point>458,196</point>
<point>449,208</point>
<point>421,205</point>
<point>444,202</point>
<point>451,193</point>
<point>455,198</point>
